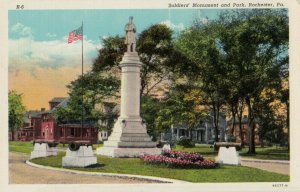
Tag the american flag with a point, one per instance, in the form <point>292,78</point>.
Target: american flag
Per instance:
<point>75,35</point>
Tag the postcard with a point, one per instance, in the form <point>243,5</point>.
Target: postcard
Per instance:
<point>135,95</point>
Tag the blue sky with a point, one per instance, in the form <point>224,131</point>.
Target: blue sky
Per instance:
<point>42,63</point>
<point>55,24</point>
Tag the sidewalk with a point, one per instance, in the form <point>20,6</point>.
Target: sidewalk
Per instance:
<point>276,166</point>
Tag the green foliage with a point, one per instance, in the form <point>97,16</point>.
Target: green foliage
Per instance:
<point>110,54</point>
<point>96,88</point>
<point>16,111</point>
<point>179,108</point>
<point>149,110</point>
<point>238,56</point>
<point>186,142</point>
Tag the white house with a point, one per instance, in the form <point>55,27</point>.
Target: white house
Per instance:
<point>204,133</point>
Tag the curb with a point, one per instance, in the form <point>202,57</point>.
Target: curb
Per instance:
<point>266,161</point>
<point>139,177</point>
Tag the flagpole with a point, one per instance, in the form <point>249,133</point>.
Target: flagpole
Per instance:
<point>82,83</point>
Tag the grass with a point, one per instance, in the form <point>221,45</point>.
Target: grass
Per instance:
<point>137,167</point>
<point>22,147</point>
<point>271,153</point>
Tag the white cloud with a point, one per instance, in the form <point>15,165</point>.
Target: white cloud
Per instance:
<point>28,54</point>
<point>204,20</point>
<point>21,30</point>
<point>175,27</point>
<point>51,35</point>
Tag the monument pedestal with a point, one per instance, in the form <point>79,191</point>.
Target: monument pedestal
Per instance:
<point>82,157</point>
<point>128,139</point>
<point>43,150</point>
<point>228,156</point>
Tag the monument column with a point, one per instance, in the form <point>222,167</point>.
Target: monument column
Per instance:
<point>129,137</point>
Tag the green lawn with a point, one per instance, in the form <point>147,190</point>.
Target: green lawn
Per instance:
<point>272,153</point>
<point>27,147</point>
<point>22,147</point>
<point>137,167</point>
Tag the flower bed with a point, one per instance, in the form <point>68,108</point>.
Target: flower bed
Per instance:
<point>180,159</point>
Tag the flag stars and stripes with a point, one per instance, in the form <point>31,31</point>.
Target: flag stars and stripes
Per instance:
<point>75,35</point>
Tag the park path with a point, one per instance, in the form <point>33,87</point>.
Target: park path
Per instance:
<point>275,166</point>
<point>21,173</point>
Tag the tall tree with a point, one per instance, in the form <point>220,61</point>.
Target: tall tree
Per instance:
<point>180,107</point>
<point>96,89</point>
<point>16,111</point>
<point>256,42</point>
<point>201,45</point>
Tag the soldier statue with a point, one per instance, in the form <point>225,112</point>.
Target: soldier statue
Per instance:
<point>130,39</point>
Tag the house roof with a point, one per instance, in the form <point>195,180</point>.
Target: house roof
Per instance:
<point>63,103</point>
<point>57,99</point>
<point>34,114</point>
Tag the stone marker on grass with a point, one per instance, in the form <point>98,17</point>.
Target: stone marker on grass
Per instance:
<point>43,150</point>
<point>81,157</point>
<point>228,156</point>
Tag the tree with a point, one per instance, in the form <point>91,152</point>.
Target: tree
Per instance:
<point>96,88</point>
<point>149,111</point>
<point>256,42</point>
<point>200,44</point>
<point>16,111</point>
<point>181,107</point>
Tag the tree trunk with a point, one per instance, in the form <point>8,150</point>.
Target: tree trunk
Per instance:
<point>241,131</point>
<point>240,116</point>
<point>12,135</point>
<point>251,125</point>
<point>216,125</point>
<point>233,112</point>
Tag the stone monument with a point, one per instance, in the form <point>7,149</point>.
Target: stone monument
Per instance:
<point>43,150</point>
<point>81,157</point>
<point>228,156</point>
<point>129,137</point>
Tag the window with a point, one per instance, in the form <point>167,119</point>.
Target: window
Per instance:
<point>72,131</point>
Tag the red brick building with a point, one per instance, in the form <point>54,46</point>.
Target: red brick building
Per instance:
<point>245,131</point>
<point>41,126</point>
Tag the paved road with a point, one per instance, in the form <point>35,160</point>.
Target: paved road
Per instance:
<point>21,173</point>
<point>272,166</point>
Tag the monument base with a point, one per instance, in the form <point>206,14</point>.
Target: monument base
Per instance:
<point>43,150</point>
<point>82,157</point>
<point>228,156</point>
<point>127,152</point>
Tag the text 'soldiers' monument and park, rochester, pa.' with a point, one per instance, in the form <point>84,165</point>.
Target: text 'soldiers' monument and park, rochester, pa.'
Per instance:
<point>129,137</point>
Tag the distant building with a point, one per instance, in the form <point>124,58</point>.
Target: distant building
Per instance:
<point>41,125</point>
<point>56,101</point>
<point>204,133</point>
<point>235,132</point>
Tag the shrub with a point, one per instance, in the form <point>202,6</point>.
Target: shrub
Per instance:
<point>178,159</point>
<point>186,142</point>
